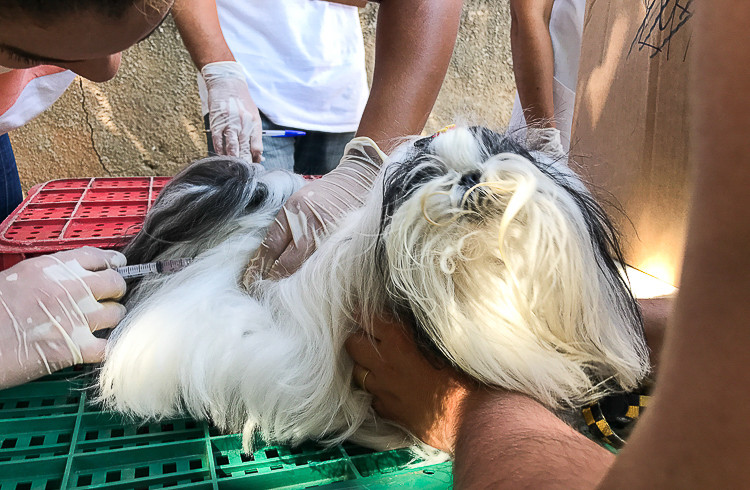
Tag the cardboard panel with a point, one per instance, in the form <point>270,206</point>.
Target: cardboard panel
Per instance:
<point>631,124</point>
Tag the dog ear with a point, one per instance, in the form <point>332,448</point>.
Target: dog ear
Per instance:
<point>195,203</point>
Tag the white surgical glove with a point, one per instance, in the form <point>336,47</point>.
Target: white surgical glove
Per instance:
<point>306,216</point>
<point>545,140</point>
<point>234,119</point>
<point>49,308</point>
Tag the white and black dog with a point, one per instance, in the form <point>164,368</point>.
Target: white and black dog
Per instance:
<point>498,259</point>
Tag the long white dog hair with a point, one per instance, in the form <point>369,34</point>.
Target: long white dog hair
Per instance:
<point>497,259</point>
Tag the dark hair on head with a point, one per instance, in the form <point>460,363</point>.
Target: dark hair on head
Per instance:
<point>47,10</point>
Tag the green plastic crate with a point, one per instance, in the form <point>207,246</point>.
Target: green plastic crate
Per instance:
<point>52,436</point>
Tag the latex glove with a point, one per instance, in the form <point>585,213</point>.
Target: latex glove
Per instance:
<point>308,214</point>
<point>49,308</point>
<point>405,386</point>
<point>354,3</point>
<point>234,119</point>
<point>545,140</point>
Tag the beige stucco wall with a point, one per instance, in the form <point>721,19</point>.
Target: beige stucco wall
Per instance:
<point>147,120</point>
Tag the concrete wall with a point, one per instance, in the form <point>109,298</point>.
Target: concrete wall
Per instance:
<point>147,120</point>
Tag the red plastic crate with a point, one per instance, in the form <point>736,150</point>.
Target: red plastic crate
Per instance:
<point>70,213</point>
<point>63,214</point>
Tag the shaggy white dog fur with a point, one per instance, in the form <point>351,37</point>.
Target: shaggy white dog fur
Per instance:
<point>497,259</point>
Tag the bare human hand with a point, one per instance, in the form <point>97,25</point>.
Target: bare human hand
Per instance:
<point>405,386</point>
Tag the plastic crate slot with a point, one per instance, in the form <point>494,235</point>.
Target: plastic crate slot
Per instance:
<point>8,444</point>
<point>353,450</point>
<point>169,468</point>
<point>196,464</point>
<point>92,435</point>
<point>428,472</point>
<point>84,480</point>
<point>67,184</point>
<point>277,467</point>
<point>36,441</point>
<point>53,485</point>
<point>53,196</point>
<point>272,453</point>
<point>167,427</point>
<point>246,458</point>
<point>64,438</point>
<point>112,476</point>
<point>24,486</point>
<point>117,432</point>
<point>22,404</point>
<point>142,430</point>
<point>48,402</point>
<point>222,460</point>
<point>142,472</point>
<point>250,472</point>
<point>72,400</point>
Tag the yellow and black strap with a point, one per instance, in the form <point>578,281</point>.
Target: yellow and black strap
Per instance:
<point>611,418</point>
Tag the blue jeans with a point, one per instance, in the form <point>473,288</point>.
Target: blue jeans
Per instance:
<point>316,153</point>
<point>10,184</point>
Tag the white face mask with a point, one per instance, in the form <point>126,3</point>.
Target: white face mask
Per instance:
<point>5,70</point>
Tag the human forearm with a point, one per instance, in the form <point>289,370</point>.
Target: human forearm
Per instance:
<point>533,59</point>
<point>414,44</point>
<point>198,23</point>
<point>694,433</point>
<point>656,313</point>
<point>508,440</point>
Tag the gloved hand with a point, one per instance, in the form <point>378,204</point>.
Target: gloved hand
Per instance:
<point>306,215</point>
<point>235,121</point>
<point>49,308</point>
<point>354,3</point>
<point>546,140</point>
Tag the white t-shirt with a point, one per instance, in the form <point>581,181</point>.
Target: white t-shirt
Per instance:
<point>566,30</point>
<point>304,60</point>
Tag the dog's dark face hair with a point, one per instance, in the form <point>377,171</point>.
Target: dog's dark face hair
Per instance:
<point>420,166</point>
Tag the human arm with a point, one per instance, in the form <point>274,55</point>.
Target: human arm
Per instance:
<point>508,440</point>
<point>415,40</point>
<point>694,433</point>
<point>413,46</point>
<point>498,438</point>
<point>49,308</point>
<point>533,59</point>
<point>655,313</point>
<point>233,116</point>
<point>513,439</point>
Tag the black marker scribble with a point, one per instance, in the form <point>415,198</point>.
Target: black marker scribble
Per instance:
<point>664,17</point>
